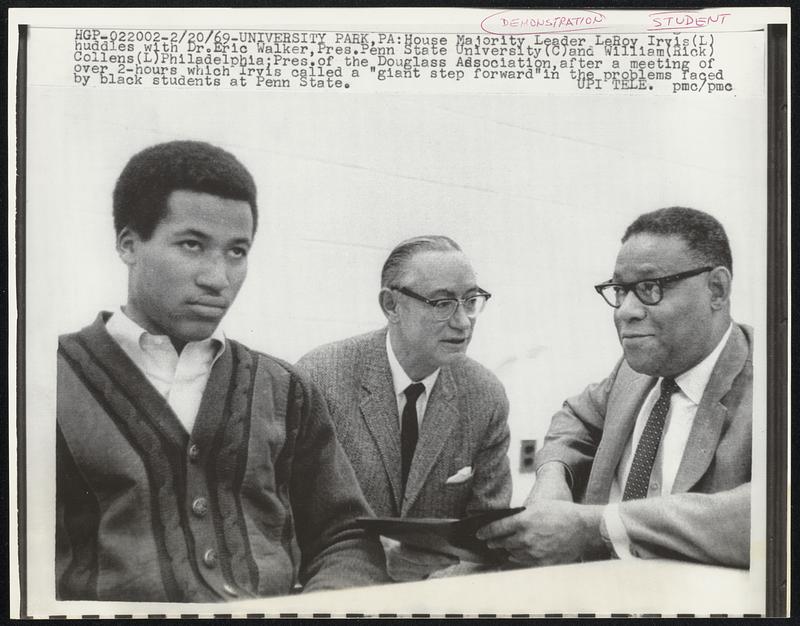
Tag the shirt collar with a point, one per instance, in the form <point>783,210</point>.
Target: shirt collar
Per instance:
<point>125,330</point>
<point>400,379</point>
<point>693,382</point>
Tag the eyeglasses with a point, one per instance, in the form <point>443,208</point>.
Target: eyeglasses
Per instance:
<point>445,308</point>
<point>649,291</point>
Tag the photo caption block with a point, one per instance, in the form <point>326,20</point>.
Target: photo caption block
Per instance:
<point>659,63</point>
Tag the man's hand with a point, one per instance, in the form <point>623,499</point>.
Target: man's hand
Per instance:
<point>551,484</point>
<point>405,563</point>
<point>547,532</point>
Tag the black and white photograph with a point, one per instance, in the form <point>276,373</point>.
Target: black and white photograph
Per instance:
<point>446,312</point>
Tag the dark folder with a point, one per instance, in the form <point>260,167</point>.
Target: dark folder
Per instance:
<point>449,536</point>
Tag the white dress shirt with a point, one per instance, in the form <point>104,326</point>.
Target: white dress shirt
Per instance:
<point>677,426</point>
<point>400,380</point>
<point>181,379</point>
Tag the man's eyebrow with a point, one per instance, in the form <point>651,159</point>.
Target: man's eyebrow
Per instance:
<point>645,274</point>
<point>449,293</point>
<point>199,234</point>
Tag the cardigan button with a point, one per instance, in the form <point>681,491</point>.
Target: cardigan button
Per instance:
<point>210,558</point>
<point>194,452</point>
<point>230,590</point>
<point>200,507</point>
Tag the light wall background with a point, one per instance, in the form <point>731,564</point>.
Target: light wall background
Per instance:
<point>536,189</point>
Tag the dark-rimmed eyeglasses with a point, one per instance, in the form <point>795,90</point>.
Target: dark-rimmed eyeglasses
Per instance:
<point>649,291</point>
<point>445,308</point>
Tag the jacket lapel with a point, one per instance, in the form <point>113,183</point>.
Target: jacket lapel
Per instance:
<point>379,411</point>
<point>623,408</point>
<point>711,413</point>
<point>441,415</point>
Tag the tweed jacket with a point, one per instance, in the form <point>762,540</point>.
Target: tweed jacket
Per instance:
<point>260,496</point>
<point>465,425</point>
<point>707,516</point>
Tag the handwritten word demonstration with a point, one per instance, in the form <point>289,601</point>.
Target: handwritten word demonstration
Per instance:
<point>527,23</point>
<point>663,63</point>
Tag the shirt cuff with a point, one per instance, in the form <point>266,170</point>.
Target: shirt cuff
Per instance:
<point>613,531</point>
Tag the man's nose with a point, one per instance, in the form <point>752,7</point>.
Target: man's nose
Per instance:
<point>631,308</point>
<point>459,318</point>
<point>214,273</point>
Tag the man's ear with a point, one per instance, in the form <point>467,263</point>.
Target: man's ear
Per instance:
<point>719,282</point>
<point>389,305</point>
<point>128,245</point>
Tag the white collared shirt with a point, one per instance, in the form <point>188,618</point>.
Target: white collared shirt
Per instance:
<point>677,426</point>
<point>400,380</point>
<point>181,379</point>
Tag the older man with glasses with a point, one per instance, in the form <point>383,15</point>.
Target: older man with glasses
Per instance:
<point>424,425</point>
<point>654,461</point>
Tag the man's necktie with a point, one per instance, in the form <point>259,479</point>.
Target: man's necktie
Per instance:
<point>409,427</point>
<point>642,466</point>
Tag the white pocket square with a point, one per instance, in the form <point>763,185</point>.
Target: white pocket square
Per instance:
<point>465,473</point>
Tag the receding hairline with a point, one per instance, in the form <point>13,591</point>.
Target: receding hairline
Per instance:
<point>646,233</point>
<point>421,253</point>
<point>690,252</point>
<point>415,267</point>
<point>396,263</point>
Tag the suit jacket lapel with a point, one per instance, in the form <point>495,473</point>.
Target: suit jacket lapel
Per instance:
<point>379,410</point>
<point>710,416</point>
<point>441,415</point>
<point>621,412</point>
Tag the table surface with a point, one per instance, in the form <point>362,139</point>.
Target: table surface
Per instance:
<point>602,588</point>
<point>632,587</point>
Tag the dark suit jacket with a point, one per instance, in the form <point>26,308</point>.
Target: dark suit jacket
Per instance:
<point>707,516</point>
<point>465,424</point>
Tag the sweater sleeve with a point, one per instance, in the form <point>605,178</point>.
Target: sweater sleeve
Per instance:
<point>326,501</point>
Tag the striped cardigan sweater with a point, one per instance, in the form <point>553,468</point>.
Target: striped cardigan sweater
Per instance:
<point>258,498</point>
